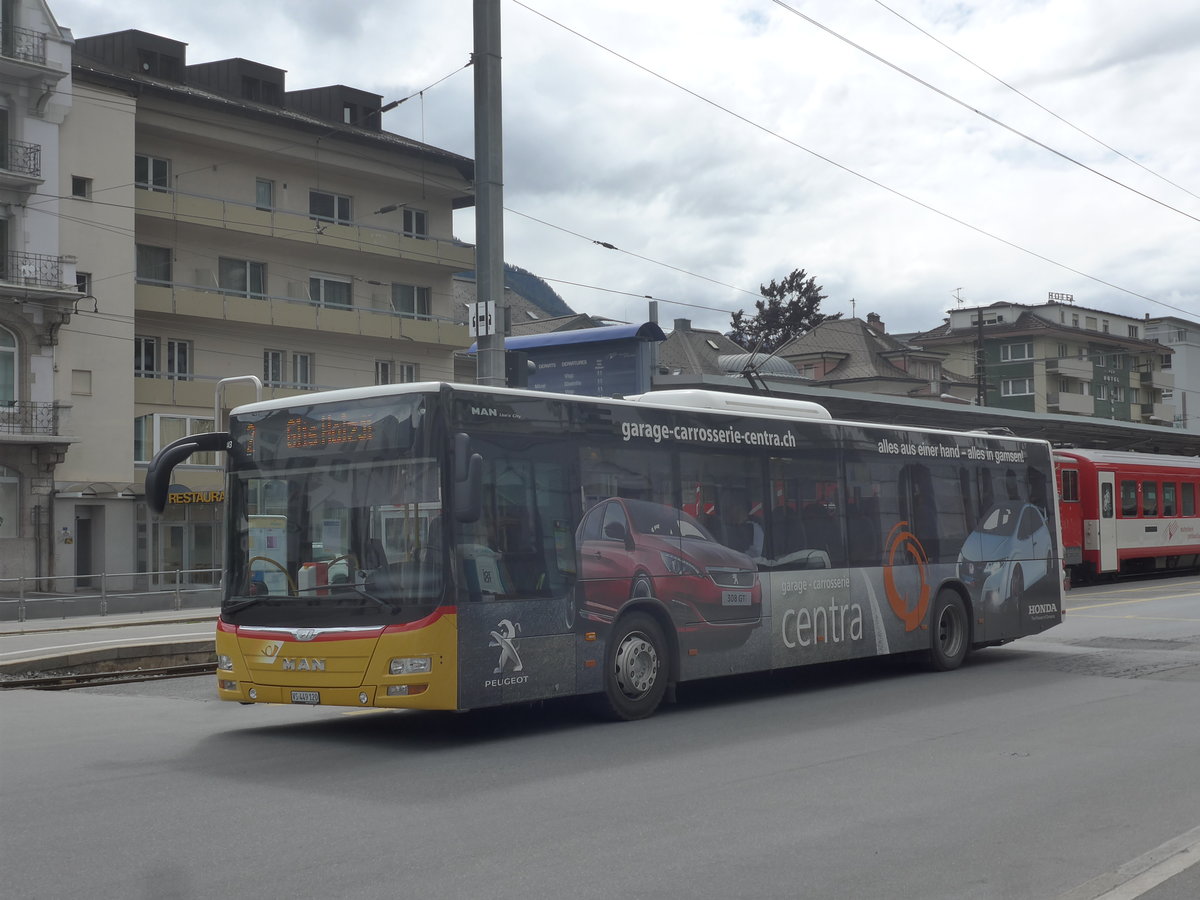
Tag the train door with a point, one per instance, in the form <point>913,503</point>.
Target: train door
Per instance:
<point>1106,526</point>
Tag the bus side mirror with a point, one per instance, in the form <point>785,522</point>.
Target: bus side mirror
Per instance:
<point>468,480</point>
<point>158,474</point>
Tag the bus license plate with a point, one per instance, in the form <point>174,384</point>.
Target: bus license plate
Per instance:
<point>735,598</point>
<point>306,697</point>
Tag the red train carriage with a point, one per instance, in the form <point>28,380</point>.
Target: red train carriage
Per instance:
<point>1127,513</point>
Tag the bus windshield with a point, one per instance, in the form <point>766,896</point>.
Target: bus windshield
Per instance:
<point>319,544</point>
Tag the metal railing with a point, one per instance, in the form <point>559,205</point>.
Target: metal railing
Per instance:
<point>19,156</point>
<point>28,417</point>
<point>110,593</point>
<point>32,268</point>
<point>23,43</point>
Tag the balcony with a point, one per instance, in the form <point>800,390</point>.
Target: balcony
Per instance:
<point>1164,381</point>
<point>1158,413</point>
<point>302,230</point>
<point>20,164</point>
<point>1071,404</point>
<point>301,314</point>
<point>26,417</point>
<point>1071,367</point>
<point>22,45</point>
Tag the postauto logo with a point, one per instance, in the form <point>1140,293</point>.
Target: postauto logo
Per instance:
<point>904,556</point>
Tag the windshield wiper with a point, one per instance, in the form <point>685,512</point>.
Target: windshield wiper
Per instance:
<point>247,603</point>
<point>357,587</point>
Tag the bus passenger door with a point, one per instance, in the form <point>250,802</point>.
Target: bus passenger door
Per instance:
<point>1106,525</point>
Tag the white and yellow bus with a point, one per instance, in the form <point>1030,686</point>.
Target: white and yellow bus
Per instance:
<point>452,547</point>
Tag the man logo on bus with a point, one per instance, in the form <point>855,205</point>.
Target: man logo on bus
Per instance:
<point>503,638</point>
<point>904,549</point>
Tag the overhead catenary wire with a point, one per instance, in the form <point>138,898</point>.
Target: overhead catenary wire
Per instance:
<point>847,169</point>
<point>1040,106</point>
<point>937,90</point>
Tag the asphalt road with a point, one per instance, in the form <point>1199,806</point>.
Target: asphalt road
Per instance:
<point>1063,766</point>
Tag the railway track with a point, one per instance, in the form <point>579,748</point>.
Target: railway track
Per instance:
<point>95,679</point>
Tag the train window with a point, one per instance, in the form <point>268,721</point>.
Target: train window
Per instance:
<point>1070,485</point>
<point>1188,498</point>
<point>1149,498</point>
<point>1168,498</point>
<point>1129,504</point>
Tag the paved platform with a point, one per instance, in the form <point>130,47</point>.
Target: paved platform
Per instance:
<point>110,641</point>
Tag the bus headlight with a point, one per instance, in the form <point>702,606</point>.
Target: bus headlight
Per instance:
<point>411,665</point>
<point>224,663</point>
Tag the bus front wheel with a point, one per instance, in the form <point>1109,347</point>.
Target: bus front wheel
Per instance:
<point>636,668</point>
<point>950,633</point>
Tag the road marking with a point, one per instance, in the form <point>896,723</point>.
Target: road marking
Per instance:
<point>144,639</point>
<point>1138,876</point>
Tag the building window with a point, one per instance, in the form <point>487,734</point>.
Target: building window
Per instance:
<point>275,365</point>
<point>302,370</point>
<point>1014,352</point>
<point>383,371</point>
<point>81,187</point>
<point>1102,391</point>
<point>154,264</point>
<point>1135,395</point>
<point>1074,320</point>
<point>410,300</point>
<point>264,194</point>
<point>145,357</point>
<point>8,366</point>
<point>1165,361</point>
<point>416,223</point>
<point>1016,387</point>
<point>407,373</point>
<point>1132,331</point>
<point>1089,323</point>
<point>330,290</point>
<point>1118,393</point>
<point>1062,351</point>
<point>154,431</point>
<point>242,277</point>
<point>179,360</point>
<point>83,283</point>
<point>273,362</point>
<point>10,503</point>
<point>329,207</point>
<point>151,173</point>
<point>81,382</point>
<point>1104,325</point>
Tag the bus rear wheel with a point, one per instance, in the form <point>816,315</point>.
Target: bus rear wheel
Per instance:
<point>950,633</point>
<point>636,667</point>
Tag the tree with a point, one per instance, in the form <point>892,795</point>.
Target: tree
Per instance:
<point>791,308</point>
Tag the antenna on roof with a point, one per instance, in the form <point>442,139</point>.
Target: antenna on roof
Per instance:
<point>957,292</point>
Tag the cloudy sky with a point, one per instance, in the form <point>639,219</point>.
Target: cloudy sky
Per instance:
<point>905,152</point>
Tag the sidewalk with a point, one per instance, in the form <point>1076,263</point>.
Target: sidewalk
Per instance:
<point>114,642</point>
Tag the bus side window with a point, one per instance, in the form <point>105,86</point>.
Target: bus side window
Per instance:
<point>1189,498</point>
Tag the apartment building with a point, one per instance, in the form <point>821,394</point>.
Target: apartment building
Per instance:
<point>1059,358</point>
<point>225,226</point>
<point>1180,359</point>
<point>38,295</point>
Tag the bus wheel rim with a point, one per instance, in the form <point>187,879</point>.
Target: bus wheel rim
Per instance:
<point>636,666</point>
<point>949,631</point>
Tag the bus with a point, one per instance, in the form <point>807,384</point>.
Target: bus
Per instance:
<point>452,547</point>
<point>1126,513</point>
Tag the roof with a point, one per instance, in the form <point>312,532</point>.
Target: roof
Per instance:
<point>864,352</point>
<point>98,71</point>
